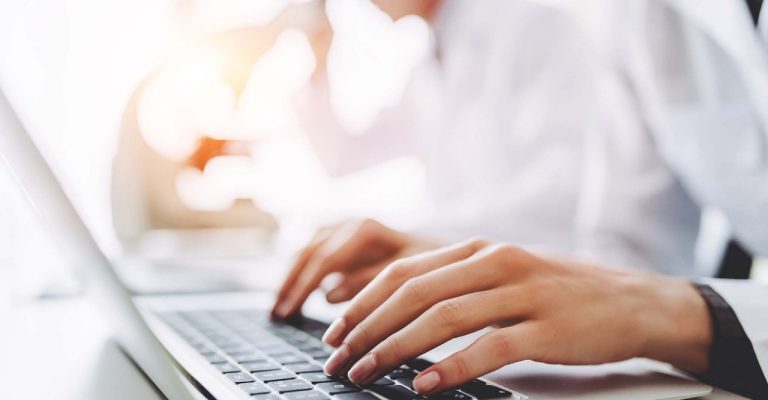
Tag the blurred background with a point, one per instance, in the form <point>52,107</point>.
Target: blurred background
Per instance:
<point>192,135</point>
<point>173,126</point>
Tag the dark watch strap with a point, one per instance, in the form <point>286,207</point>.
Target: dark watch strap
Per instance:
<point>733,364</point>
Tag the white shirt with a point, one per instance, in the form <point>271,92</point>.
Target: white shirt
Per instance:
<point>701,75</point>
<point>507,121</point>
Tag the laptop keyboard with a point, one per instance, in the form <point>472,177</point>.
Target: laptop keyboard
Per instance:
<point>273,361</point>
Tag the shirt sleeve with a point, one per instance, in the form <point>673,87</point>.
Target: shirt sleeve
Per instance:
<point>733,362</point>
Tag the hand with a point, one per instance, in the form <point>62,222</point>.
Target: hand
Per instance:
<point>545,310</point>
<point>359,250</point>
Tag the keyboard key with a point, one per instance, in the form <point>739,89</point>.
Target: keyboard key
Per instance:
<point>270,342</point>
<point>473,383</point>
<point>407,382</point>
<point>338,387</point>
<point>450,395</point>
<point>270,376</point>
<point>222,340</point>
<point>383,381</point>
<point>309,346</point>
<point>239,377</point>
<point>321,353</point>
<point>485,392</point>
<point>318,377</point>
<point>317,333</point>
<point>296,342</point>
<point>419,364</point>
<point>289,359</point>
<point>255,337</point>
<point>401,373</point>
<point>260,366</point>
<point>226,367</point>
<point>394,392</point>
<point>275,350</point>
<point>254,388</point>
<point>236,348</point>
<point>306,395</point>
<point>195,343</point>
<point>304,367</point>
<point>203,349</point>
<point>214,358</point>
<point>356,396</point>
<point>248,357</point>
<point>265,397</point>
<point>292,385</point>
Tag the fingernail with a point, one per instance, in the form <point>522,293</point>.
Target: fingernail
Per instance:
<point>337,361</point>
<point>363,369</point>
<point>334,332</point>
<point>427,382</point>
<point>336,295</point>
<point>283,310</point>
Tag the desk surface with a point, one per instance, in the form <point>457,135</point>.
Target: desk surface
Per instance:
<point>62,349</point>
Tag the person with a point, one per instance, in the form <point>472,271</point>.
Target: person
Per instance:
<point>501,115</point>
<point>699,74</point>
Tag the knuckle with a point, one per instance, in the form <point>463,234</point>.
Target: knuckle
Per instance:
<point>415,290</point>
<point>449,313</point>
<point>394,348</point>
<point>319,237</point>
<point>504,255</point>
<point>361,337</point>
<point>505,251</point>
<point>327,261</point>
<point>503,342</point>
<point>461,367</point>
<point>325,233</point>
<point>534,294</point>
<point>367,225</point>
<point>398,271</point>
<point>477,243</point>
<point>309,248</point>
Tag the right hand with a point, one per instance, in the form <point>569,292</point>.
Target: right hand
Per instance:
<point>555,311</point>
<point>356,249</point>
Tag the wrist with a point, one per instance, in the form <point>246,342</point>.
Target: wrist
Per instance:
<point>677,325</point>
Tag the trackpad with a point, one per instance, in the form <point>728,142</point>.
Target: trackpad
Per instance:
<point>633,379</point>
<point>626,380</point>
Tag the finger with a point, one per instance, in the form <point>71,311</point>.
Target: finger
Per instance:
<point>444,321</point>
<point>420,294</point>
<point>391,278</point>
<point>381,288</point>
<point>298,267</point>
<point>488,353</point>
<point>338,253</point>
<point>353,282</point>
<point>304,256</point>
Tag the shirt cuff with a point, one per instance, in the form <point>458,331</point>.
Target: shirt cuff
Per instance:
<point>733,364</point>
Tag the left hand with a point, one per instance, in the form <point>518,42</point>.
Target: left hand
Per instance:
<point>545,310</point>
<point>358,250</point>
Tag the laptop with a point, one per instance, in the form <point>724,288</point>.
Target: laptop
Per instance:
<point>215,346</point>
